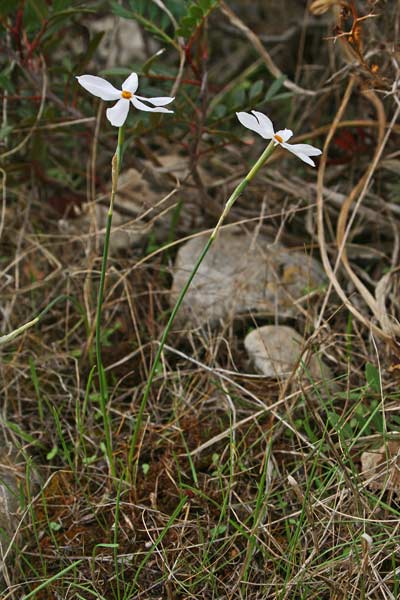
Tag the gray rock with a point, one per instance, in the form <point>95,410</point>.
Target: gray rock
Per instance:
<point>240,274</point>
<point>275,351</point>
<point>10,475</point>
<point>8,502</point>
<point>9,495</point>
<point>122,42</point>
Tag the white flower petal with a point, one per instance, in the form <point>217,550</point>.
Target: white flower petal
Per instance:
<point>99,87</point>
<point>250,122</point>
<point>301,155</point>
<point>161,101</point>
<point>131,83</point>
<point>118,113</point>
<point>285,134</point>
<point>140,106</point>
<point>306,149</point>
<point>266,124</point>
<point>306,159</point>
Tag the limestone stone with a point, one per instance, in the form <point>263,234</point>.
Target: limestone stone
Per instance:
<point>240,274</point>
<point>11,473</point>
<point>275,351</point>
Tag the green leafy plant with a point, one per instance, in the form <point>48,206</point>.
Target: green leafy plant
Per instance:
<point>194,17</point>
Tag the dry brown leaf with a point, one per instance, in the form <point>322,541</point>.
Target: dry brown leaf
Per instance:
<point>381,468</point>
<point>319,7</point>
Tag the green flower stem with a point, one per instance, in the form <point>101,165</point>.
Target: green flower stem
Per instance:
<point>230,202</point>
<point>4,339</point>
<point>115,167</point>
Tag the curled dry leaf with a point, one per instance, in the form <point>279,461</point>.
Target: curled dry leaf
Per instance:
<point>381,468</point>
<point>319,7</point>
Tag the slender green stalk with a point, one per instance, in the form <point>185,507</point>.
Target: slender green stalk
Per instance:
<point>58,575</point>
<point>116,166</point>
<point>258,516</point>
<point>158,541</point>
<point>4,339</point>
<point>116,532</point>
<point>230,202</point>
<point>80,416</point>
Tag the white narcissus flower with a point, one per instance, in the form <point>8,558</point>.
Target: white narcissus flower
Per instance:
<point>118,113</point>
<point>262,125</point>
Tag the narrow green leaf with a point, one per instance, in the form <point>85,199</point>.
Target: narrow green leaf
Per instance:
<point>40,8</point>
<point>50,580</point>
<point>256,89</point>
<point>274,88</point>
<point>120,11</point>
<point>22,434</point>
<point>372,377</point>
<point>60,5</point>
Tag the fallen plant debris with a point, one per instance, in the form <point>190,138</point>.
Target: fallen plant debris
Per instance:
<point>380,468</point>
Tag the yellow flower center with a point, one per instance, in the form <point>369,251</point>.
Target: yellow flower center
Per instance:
<point>278,138</point>
<point>126,95</point>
